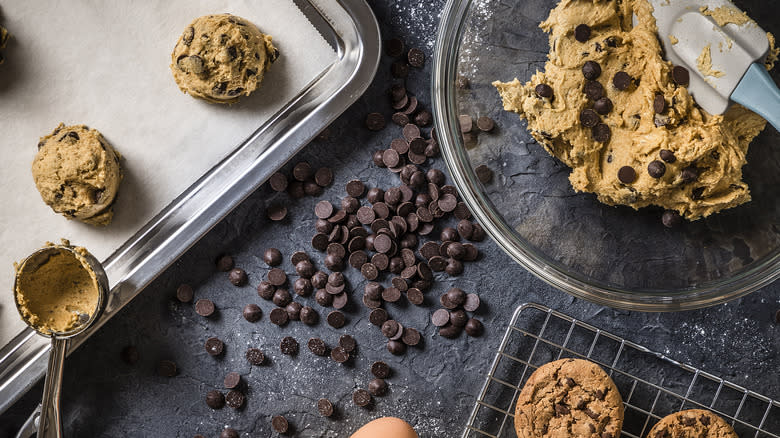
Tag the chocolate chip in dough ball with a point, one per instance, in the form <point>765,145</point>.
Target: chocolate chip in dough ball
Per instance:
<point>603,106</point>
<point>591,70</point>
<point>77,174</point>
<point>656,169</point>
<point>544,91</point>
<point>227,59</point>
<point>627,175</point>
<point>622,81</point>
<point>582,33</point>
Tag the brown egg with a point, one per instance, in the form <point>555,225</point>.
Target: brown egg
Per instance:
<point>387,427</point>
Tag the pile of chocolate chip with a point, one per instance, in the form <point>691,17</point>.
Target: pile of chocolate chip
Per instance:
<point>305,181</point>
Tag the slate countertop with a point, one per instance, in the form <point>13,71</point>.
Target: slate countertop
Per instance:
<point>433,386</point>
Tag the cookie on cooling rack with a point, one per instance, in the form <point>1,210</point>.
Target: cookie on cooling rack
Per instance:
<point>569,397</point>
<point>693,423</point>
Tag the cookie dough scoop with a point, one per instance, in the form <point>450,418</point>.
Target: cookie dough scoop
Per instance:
<point>727,52</point>
<point>60,291</point>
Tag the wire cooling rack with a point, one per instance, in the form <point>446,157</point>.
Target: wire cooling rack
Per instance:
<point>652,385</point>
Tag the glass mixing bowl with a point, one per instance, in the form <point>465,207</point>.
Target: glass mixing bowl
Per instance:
<point>614,256</point>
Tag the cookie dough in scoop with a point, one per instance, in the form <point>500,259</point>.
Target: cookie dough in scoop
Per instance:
<point>221,57</point>
<point>78,174</point>
<point>609,106</point>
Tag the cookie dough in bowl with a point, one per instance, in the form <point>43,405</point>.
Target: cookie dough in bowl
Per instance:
<point>221,57</point>
<point>77,173</point>
<point>610,107</point>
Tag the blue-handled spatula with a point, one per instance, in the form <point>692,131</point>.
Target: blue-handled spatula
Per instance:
<point>725,52</point>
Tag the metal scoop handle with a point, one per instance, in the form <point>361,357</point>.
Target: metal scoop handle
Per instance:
<point>50,424</point>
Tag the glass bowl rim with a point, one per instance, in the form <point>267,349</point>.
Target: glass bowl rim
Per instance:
<point>445,60</point>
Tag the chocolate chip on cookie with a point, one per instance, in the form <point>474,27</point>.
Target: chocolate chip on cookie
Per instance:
<point>544,91</point>
<point>593,90</point>
<point>589,118</point>
<point>591,70</point>
<point>622,80</point>
<point>681,76</point>
<point>582,33</point>
<point>603,106</point>
<point>656,169</point>
<point>627,174</point>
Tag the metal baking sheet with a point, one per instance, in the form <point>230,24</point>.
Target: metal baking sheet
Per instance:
<point>350,28</point>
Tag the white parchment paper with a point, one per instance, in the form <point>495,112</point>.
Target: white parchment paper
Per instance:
<point>106,65</point>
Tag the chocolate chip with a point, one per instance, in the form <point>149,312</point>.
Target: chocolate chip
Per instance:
<point>232,380</point>
<point>627,175</point>
<point>190,64</point>
<point>272,257</point>
<point>377,159</point>
<point>238,277</point>
<point>214,346</point>
<point>589,118</point>
<point>659,104</point>
<point>416,58</point>
<point>671,219</point>
<point>281,297</point>
<point>411,337</point>
<point>704,419</point>
<point>188,35</point>
<point>278,182</point>
<point>277,212</point>
<point>472,303</point>
<point>544,91</point>
<point>391,158</point>
<point>667,156</point>
<point>229,433</point>
<point>309,316</point>
<point>690,174</point>
<point>204,307</point>
<point>225,263</point>
<point>454,267</point>
<point>680,75</point>
<point>305,269</point>
<point>323,209</point>
<point>317,346</point>
<point>485,124</point>
<point>394,48</point>
<point>375,121</point>
<point>252,312</point>
<point>415,296</point>
<point>340,301</point>
<point>184,293</point>
<point>167,368</point>
<point>450,331</point>
<point>582,33</point>
<point>411,131</point>
<point>361,397</point>
<point>355,188</point>
<point>391,294</point>
<point>395,347</point>
<point>338,354</point>
<point>277,277</point>
<point>458,318</point>
<point>622,80</point>
<point>423,118</point>
<point>336,319</point>
<point>593,90</point>
<point>325,407</point>
<point>656,169</point>
<point>440,318</point>
<point>603,106</point>
<point>591,70</point>
<point>280,424</point>
<point>289,346</point>
<point>215,399</point>
<point>601,133</point>
<point>279,316</point>
<point>255,356</point>
<point>400,119</point>
<point>377,387</point>
<point>561,409</point>
<point>474,327</point>
<point>302,171</point>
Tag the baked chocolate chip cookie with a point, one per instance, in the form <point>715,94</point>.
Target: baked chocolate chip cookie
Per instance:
<point>693,423</point>
<point>221,57</point>
<point>77,173</point>
<point>569,397</point>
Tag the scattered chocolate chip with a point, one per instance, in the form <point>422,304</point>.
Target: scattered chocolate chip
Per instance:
<point>323,177</point>
<point>215,399</point>
<point>680,75</point>
<point>277,277</point>
<point>656,169</point>
<point>377,387</point>
<point>544,91</point>
<point>472,303</point>
<point>278,182</point>
<point>355,188</point>
<point>255,356</point>
<point>622,80</point>
<point>627,175</point>
<point>591,70</point>
<point>184,293</point>
<point>474,327</point>
<point>289,346</point>
<point>450,331</point>
<point>225,263</point>
<point>279,316</point>
<point>601,133</point>
<point>659,104</point>
<point>272,257</point>
<point>280,424</point>
<point>377,317</point>
<point>238,277</point>
<point>336,319</point>
<point>266,290</point>
<point>375,121</point>
<point>361,397</point>
<point>440,317</point>
<point>589,118</point>
<point>277,212</point>
<point>485,124</point>
<point>416,58</point>
<point>204,307</point>
<point>214,346</point>
<point>302,171</point>
<point>252,312</point>
<point>395,347</point>
<point>282,297</point>
<point>338,354</point>
<point>411,337</point>
<point>423,118</point>
<point>671,219</point>
<point>232,380</point>
<point>229,433</point>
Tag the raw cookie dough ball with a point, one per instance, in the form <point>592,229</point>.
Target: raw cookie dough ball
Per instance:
<point>220,57</point>
<point>77,173</point>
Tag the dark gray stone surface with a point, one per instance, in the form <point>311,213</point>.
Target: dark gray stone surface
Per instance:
<point>433,386</point>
